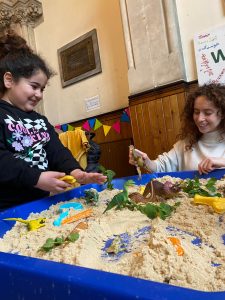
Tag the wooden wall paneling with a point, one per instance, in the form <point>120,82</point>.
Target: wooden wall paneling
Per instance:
<point>168,118</point>
<point>115,157</point>
<point>139,117</point>
<point>146,135</point>
<point>143,125</point>
<point>175,114</point>
<point>181,102</point>
<point>162,136</point>
<point>134,124</point>
<point>155,144</point>
<point>150,121</point>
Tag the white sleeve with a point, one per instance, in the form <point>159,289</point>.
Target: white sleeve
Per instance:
<point>170,161</point>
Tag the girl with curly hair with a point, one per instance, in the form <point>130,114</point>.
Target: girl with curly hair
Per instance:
<point>201,144</point>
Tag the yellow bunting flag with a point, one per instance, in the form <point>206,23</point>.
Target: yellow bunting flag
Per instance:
<point>106,129</point>
<point>70,127</point>
<point>98,124</point>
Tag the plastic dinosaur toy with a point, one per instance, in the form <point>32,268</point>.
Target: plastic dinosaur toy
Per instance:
<point>217,203</point>
<point>156,191</point>
<point>138,159</point>
<point>91,196</point>
<point>109,174</point>
<point>164,190</point>
<point>120,199</point>
<point>116,246</point>
<point>31,224</point>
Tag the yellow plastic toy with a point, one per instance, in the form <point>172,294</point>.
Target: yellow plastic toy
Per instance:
<point>31,224</point>
<point>71,180</point>
<point>141,189</point>
<point>217,203</point>
<point>68,178</point>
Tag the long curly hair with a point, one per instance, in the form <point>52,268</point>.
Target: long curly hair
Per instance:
<point>17,58</point>
<point>215,93</point>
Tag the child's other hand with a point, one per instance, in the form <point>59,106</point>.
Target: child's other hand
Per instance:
<point>84,177</point>
<point>50,181</point>
<point>209,164</point>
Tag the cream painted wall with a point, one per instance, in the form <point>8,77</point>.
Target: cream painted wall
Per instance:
<point>196,16</point>
<point>66,20</point>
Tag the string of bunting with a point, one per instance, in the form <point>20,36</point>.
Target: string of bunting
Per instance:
<point>94,124</point>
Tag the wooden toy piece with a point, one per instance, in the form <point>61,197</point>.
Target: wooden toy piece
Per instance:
<point>217,203</point>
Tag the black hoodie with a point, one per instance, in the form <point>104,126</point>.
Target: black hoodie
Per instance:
<point>29,145</point>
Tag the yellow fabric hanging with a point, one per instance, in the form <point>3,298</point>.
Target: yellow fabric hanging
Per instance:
<point>77,142</point>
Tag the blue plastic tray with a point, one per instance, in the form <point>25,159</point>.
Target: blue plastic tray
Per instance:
<point>34,279</point>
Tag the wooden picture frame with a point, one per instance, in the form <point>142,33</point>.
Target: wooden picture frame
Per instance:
<point>79,59</point>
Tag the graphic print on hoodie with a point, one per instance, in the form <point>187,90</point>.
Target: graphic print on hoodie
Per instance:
<point>27,139</point>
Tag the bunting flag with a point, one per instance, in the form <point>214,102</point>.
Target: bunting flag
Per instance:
<point>70,127</point>
<point>64,127</point>
<point>58,126</point>
<point>86,126</point>
<point>106,129</point>
<point>92,122</point>
<point>125,117</point>
<point>116,126</point>
<point>98,124</point>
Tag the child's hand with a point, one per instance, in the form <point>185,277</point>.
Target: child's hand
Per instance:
<point>84,177</point>
<point>50,181</point>
<point>209,164</point>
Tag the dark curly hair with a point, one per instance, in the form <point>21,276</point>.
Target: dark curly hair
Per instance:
<point>17,58</point>
<point>215,93</point>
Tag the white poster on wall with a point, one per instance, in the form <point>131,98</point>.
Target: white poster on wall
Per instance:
<point>210,55</point>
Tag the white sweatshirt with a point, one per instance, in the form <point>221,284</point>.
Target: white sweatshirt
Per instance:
<point>211,144</point>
